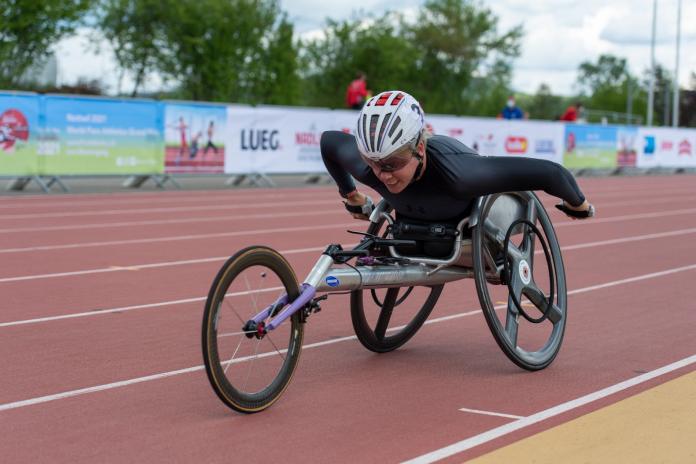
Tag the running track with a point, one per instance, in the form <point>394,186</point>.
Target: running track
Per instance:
<point>102,299</point>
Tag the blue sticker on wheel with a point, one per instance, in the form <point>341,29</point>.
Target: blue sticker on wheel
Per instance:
<point>332,281</point>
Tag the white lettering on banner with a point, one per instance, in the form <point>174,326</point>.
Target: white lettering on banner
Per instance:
<point>86,118</point>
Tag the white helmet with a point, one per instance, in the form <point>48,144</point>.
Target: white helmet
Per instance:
<point>389,121</point>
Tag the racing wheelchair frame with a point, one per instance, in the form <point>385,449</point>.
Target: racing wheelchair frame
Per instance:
<point>495,245</point>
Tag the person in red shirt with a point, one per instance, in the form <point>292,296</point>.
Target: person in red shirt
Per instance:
<point>572,112</point>
<point>357,92</point>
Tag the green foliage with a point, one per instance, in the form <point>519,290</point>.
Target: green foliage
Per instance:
<point>544,105</point>
<point>606,87</point>
<point>227,51</point>
<point>28,28</point>
<point>452,58</point>
<point>133,27</point>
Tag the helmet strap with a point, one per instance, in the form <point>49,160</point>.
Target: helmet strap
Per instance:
<point>419,170</point>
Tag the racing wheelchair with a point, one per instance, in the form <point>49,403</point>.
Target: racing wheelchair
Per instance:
<point>256,311</point>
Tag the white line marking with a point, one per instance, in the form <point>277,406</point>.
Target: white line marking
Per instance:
<point>174,209</point>
<point>196,220</point>
<point>203,199</point>
<point>146,266</point>
<point>106,225</point>
<point>490,413</point>
<point>68,394</point>
<point>174,238</point>
<point>498,432</point>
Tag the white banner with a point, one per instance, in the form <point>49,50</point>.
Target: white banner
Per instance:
<point>278,139</point>
<point>536,139</point>
<point>666,147</point>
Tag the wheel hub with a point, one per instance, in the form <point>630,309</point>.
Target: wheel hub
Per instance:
<point>525,272</point>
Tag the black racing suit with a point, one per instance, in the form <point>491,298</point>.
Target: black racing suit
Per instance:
<point>454,177</point>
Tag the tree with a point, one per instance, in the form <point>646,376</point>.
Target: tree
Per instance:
<point>134,30</point>
<point>459,41</point>
<point>375,47</point>
<point>28,29</point>
<point>544,105</point>
<point>452,58</point>
<point>607,87</point>
<point>219,49</point>
<point>215,50</point>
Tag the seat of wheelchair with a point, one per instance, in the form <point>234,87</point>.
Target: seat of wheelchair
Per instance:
<point>434,239</point>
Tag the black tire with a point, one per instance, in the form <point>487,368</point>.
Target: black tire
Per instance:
<point>507,334</point>
<point>226,312</point>
<point>373,335</point>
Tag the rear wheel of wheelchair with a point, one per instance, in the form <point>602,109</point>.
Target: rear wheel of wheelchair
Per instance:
<point>520,278</point>
<point>385,319</point>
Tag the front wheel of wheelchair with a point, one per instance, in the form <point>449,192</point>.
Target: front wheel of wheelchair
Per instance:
<point>385,319</point>
<point>250,369</point>
<point>520,278</point>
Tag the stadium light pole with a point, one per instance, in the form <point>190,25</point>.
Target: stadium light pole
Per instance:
<point>651,89</point>
<point>675,101</point>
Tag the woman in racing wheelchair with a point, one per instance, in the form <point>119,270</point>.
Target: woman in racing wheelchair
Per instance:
<point>430,178</point>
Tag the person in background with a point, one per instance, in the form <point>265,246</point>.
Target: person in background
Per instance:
<point>357,92</point>
<point>572,113</point>
<point>511,110</point>
<point>210,144</point>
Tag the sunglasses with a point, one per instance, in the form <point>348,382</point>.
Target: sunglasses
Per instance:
<point>393,162</point>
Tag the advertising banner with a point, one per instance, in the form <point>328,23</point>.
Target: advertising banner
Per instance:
<point>19,124</point>
<point>595,146</point>
<point>666,147</point>
<point>275,140</point>
<point>193,138</point>
<point>101,136</point>
<point>494,137</point>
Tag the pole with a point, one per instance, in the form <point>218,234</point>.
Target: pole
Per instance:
<point>675,101</point>
<point>651,91</point>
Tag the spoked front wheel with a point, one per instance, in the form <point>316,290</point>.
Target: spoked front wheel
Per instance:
<point>250,369</point>
<point>520,281</point>
<point>385,319</point>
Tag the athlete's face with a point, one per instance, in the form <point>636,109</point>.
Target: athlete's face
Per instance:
<point>397,180</point>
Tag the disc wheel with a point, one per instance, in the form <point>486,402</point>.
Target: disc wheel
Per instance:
<point>385,319</point>
<point>536,275</point>
<point>248,368</point>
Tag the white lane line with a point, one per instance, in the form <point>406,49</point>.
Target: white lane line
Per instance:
<point>203,199</point>
<point>106,225</point>
<point>203,260</point>
<point>196,220</point>
<point>503,430</point>
<point>174,209</point>
<point>68,394</point>
<point>174,238</point>
<point>146,266</point>
<point>490,413</point>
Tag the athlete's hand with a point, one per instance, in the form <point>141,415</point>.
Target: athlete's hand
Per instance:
<point>583,211</point>
<point>359,201</point>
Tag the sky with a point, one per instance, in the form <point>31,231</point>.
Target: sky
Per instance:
<point>558,36</point>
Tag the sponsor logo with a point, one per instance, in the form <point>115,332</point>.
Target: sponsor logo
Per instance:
<point>525,272</point>
<point>516,144</point>
<point>307,138</point>
<point>332,281</point>
<point>667,145</point>
<point>542,146</point>
<point>455,132</point>
<point>429,127</point>
<point>684,148</point>
<point>259,140</point>
<point>649,148</point>
<point>13,127</point>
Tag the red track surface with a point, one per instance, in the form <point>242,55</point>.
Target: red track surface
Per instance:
<point>132,257</point>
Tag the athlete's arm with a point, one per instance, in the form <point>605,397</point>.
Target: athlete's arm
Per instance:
<point>483,175</point>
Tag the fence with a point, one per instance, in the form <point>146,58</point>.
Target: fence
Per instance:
<point>57,135</point>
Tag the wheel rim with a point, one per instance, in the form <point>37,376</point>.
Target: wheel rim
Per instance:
<point>250,370</point>
<point>527,344</point>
